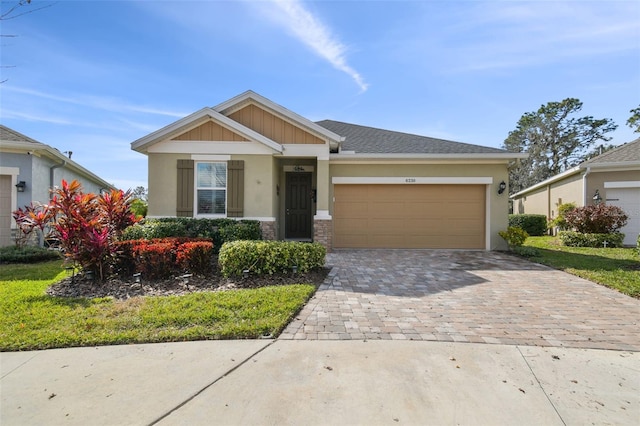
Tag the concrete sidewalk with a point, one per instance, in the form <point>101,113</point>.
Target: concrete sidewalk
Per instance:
<point>319,382</point>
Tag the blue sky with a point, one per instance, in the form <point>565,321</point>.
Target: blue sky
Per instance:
<point>93,76</point>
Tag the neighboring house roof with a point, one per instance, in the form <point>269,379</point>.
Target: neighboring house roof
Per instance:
<point>627,153</point>
<point>623,157</point>
<point>11,140</point>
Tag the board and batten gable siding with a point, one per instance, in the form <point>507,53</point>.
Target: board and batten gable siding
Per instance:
<point>210,131</point>
<point>235,188</point>
<point>273,127</point>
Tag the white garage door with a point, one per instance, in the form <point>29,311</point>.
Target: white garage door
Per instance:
<point>628,199</point>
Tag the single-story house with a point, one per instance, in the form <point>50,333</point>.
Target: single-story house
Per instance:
<point>612,177</point>
<point>28,171</point>
<point>344,185</point>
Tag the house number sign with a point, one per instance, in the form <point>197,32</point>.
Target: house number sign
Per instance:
<point>410,180</point>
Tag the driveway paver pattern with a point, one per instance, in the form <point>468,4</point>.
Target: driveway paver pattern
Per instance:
<point>463,296</point>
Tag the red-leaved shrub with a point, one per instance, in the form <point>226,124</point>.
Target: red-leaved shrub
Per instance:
<point>161,258</point>
<point>85,226</point>
<point>597,219</point>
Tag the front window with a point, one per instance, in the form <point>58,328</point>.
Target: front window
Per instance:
<point>211,188</point>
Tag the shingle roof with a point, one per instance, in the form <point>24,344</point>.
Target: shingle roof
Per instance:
<point>369,140</point>
<point>10,135</point>
<point>628,152</point>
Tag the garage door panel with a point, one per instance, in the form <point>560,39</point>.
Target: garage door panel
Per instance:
<point>628,199</point>
<point>409,216</point>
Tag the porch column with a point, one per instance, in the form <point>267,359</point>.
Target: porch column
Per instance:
<point>322,224</point>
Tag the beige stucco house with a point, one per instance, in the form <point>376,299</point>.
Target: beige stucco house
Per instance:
<point>344,185</point>
<point>612,177</point>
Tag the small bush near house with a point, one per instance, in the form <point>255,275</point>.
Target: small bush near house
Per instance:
<point>269,257</point>
<point>579,239</point>
<point>27,254</point>
<point>597,219</point>
<point>533,224</point>
<point>218,230</point>
<point>560,221</point>
<point>514,236</point>
<point>526,251</point>
<point>161,258</point>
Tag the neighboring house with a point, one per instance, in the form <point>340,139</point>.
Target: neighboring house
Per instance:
<point>28,171</point>
<point>612,177</point>
<point>340,184</point>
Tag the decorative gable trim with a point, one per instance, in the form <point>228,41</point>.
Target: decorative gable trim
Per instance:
<point>250,97</point>
<point>196,119</point>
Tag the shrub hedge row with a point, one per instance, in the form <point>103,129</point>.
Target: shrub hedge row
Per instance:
<point>217,230</point>
<point>578,239</point>
<point>534,224</point>
<point>27,254</point>
<point>161,258</point>
<point>269,257</point>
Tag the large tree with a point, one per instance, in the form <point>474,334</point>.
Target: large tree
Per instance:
<point>555,140</point>
<point>634,120</point>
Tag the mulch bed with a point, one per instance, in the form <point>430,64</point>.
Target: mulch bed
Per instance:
<point>81,286</point>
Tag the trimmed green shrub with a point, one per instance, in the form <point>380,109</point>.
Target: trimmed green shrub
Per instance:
<point>218,230</point>
<point>534,224</point>
<point>27,254</point>
<point>578,239</point>
<point>525,251</point>
<point>514,236</point>
<point>269,257</point>
<point>560,221</point>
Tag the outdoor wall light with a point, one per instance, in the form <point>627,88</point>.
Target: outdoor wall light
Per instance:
<point>597,199</point>
<point>20,186</point>
<point>502,187</point>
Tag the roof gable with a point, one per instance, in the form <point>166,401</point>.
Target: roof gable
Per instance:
<point>240,102</point>
<point>195,120</point>
<point>273,127</point>
<point>210,131</point>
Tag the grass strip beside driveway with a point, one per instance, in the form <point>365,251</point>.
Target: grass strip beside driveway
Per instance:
<point>33,320</point>
<point>617,268</point>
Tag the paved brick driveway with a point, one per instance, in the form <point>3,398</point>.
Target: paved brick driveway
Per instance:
<point>464,296</point>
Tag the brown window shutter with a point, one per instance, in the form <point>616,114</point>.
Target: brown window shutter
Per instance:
<point>184,205</point>
<point>235,188</point>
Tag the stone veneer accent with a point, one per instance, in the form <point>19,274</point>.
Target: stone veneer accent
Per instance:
<point>268,230</point>
<point>323,233</point>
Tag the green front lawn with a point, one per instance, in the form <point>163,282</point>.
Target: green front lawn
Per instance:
<point>618,268</point>
<point>33,320</point>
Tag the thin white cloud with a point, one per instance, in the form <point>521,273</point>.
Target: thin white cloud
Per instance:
<point>97,102</point>
<point>308,29</point>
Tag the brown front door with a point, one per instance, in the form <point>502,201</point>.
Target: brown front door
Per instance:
<point>298,206</point>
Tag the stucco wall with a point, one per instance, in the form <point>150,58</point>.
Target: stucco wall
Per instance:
<point>258,184</point>
<point>498,204</point>
<point>596,180</point>
<point>163,183</point>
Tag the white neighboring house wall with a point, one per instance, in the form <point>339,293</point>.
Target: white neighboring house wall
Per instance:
<point>626,195</point>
